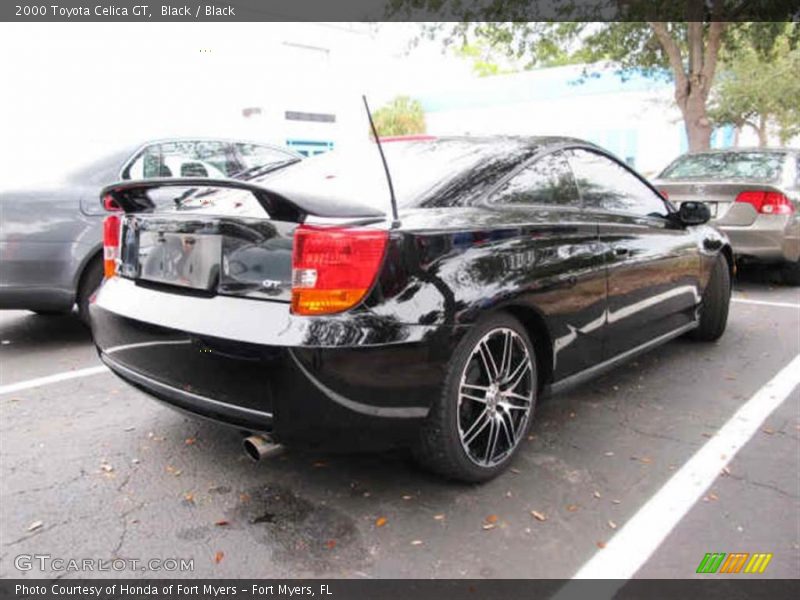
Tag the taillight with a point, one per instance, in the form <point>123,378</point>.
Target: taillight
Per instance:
<point>767,203</point>
<point>110,245</point>
<point>333,268</point>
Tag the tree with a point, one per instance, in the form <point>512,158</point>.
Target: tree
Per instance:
<point>402,116</point>
<point>684,51</point>
<point>759,90</point>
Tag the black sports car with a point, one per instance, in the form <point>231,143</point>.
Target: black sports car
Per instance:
<point>296,306</point>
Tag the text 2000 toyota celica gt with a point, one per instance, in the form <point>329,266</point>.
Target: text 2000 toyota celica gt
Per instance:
<point>298,306</point>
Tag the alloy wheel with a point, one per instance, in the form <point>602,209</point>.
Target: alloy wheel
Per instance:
<point>495,397</point>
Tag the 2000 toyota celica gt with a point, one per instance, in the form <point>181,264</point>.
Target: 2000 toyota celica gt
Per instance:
<point>296,305</point>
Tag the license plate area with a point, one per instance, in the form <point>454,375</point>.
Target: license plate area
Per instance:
<point>189,260</point>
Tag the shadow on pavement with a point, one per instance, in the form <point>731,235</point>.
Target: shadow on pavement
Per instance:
<point>40,332</point>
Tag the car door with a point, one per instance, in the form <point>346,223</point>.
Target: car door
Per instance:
<point>557,259</point>
<point>652,264</point>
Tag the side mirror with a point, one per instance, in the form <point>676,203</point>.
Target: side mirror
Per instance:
<point>694,213</point>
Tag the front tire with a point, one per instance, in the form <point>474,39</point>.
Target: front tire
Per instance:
<point>474,429</point>
<point>716,302</point>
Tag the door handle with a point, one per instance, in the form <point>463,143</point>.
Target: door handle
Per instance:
<point>621,250</point>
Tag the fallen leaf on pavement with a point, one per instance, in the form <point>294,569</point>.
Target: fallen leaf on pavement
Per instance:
<point>597,494</point>
<point>612,524</point>
<point>438,517</point>
<point>222,523</point>
<point>491,519</point>
<point>768,430</point>
<point>189,497</point>
<point>190,441</point>
<point>380,521</point>
<point>416,542</point>
<point>538,516</point>
<point>330,544</point>
<point>408,497</point>
<point>572,507</point>
<point>601,545</point>
<point>35,525</point>
<point>219,556</point>
<point>488,526</point>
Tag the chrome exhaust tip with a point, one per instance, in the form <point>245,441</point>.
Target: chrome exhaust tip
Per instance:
<point>259,446</point>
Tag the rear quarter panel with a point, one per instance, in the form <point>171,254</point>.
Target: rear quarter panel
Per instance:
<point>45,240</point>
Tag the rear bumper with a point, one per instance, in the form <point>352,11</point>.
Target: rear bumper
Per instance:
<point>345,396</point>
<point>771,238</point>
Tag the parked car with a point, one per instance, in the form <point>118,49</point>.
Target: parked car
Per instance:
<point>51,238</point>
<point>297,307</point>
<point>753,195</point>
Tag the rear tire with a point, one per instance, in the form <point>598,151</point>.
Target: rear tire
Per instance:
<point>716,302</point>
<point>790,273</point>
<point>475,428</point>
<point>90,280</point>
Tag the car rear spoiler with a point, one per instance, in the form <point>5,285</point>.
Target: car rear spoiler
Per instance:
<point>133,196</point>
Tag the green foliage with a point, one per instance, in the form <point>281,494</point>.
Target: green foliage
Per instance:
<point>759,87</point>
<point>678,41</point>
<point>402,116</point>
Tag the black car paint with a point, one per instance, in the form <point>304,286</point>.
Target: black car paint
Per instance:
<point>368,376</point>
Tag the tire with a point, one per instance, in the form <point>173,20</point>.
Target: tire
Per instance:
<point>716,301</point>
<point>455,440</point>
<point>90,280</point>
<point>790,273</point>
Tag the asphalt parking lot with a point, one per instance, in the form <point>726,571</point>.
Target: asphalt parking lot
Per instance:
<point>91,468</point>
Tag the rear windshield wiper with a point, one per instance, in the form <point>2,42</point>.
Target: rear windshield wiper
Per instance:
<point>246,174</point>
<point>264,169</point>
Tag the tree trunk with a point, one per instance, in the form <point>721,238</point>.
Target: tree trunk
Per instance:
<point>695,120</point>
<point>762,132</point>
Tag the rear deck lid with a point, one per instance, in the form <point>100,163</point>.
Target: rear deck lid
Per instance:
<point>221,237</point>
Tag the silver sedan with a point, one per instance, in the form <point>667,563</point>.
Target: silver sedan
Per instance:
<point>51,239</point>
<point>753,195</point>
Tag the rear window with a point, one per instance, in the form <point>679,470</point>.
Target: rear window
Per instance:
<point>437,173</point>
<point>751,166</point>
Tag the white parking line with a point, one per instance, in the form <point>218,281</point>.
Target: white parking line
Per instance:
<point>39,381</point>
<point>641,536</point>
<point>765,303</point>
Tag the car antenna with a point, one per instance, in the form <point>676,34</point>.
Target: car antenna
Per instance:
<point>395,218</point>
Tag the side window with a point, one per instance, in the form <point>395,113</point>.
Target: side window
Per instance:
<point>606,185</point>
<point>547,181</point>
<point>253,155</point>
<point>147,165</point>
<point>184,159</point>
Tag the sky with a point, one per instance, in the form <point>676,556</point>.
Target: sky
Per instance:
<point>72,90</point>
